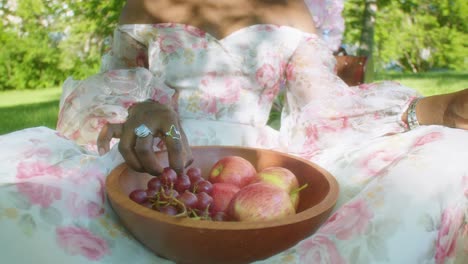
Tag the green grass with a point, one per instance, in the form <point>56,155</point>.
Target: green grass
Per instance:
<point>23,109</point>
<point>429,83</point>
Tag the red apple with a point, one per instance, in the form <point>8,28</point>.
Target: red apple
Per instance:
<point>222,194</point>
<point>280,177</point>
<point>294,196</point>
<point>284,179</point>
<point>260,201</point>
<point>234,170</point>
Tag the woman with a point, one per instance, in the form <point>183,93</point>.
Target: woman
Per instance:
<point>211,79</point>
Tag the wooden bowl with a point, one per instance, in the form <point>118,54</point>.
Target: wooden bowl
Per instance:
<point>186,240</point>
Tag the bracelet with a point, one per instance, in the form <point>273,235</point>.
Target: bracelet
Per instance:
<point>412,118</point>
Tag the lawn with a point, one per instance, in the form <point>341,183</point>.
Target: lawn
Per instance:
<point>430,83</point>
<point>22,109</point>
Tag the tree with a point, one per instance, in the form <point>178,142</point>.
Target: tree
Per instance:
<point>416,35</point>
<point>29,57</point>
<point>367,33</point>
<point>44,41</point>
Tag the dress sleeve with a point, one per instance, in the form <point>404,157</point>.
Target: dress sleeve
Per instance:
<point>88,104</point>
<point>125,53</point>
<point>321,111</point>
<point>328,19</point>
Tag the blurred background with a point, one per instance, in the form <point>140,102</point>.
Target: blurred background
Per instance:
<point>420,43</point>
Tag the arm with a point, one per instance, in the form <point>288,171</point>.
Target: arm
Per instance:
<point>449,110</point>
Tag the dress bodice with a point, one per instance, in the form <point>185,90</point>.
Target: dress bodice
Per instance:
<point>234,79</point>
<point>223,89</point>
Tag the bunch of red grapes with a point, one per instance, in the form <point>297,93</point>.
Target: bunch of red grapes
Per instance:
<point>186,195</point>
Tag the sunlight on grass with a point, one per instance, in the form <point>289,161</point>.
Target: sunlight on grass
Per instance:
<point>20,97</point>
<point>429,83</point>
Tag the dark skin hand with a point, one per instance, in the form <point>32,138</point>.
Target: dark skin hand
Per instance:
<point>138,152</point>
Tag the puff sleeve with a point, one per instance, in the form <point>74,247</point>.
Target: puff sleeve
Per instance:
<point>322,112</point>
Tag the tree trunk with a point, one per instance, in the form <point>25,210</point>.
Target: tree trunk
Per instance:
<point>366,46</point>
<point>367,33</point>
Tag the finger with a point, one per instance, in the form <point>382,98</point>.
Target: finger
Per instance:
<point>105,136</point>
<point>127,148</point>
<point>174,145</point>
<point>187,150</point>
<point>145,154</point>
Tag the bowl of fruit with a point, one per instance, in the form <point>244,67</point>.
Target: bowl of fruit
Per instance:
<point>232,205</point>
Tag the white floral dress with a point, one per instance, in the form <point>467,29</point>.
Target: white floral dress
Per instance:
<point>403,194</point>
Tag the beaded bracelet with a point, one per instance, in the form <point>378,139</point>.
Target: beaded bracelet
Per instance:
<point>412,118</point>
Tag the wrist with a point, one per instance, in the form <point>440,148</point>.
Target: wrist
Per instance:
<point>411,115</point>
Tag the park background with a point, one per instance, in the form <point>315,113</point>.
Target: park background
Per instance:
<point>420,43</point>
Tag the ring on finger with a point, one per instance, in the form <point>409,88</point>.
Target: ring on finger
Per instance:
<point>142,131</point>
<point>173,133</point>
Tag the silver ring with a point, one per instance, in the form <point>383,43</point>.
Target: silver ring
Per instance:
<point>173,133</point>
<point>142,131</point>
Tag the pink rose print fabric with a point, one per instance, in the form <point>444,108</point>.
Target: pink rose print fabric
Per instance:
<point>79,241</point>
<point>356,215</point>
<point>328,20</point>
<point>320,249</point>
<point>403,194</point>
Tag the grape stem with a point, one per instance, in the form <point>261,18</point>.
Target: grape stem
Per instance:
<point>175,200</point>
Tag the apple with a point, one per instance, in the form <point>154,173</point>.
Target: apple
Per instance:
<point>222,194</point>
<point>260,201</point>
<point>280,177</point>
<point>284,179</point>
<point>234,170</point>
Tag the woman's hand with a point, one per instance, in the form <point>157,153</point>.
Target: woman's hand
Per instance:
<point>162,122</point>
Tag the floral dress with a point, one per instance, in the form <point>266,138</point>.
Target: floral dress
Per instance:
<point>403,194</point>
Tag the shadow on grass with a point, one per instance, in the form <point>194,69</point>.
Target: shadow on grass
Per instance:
<point>29,115</point>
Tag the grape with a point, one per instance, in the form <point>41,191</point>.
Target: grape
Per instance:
<point>138,196</point>
<point>219,216</point>
<point>168,176</point>
<point>182,183</point>
<point>148,204</point>
<point>169,194</point>
<point>188,199</point>
<point>194,173</point>
<point>154,184</point>
<point>204,186</point>
<point>205,215</point>
<point>204,200</point>
<point>187,194</point>
<point>193,186</point>
<point>150,193</point>
<point>169,210</point>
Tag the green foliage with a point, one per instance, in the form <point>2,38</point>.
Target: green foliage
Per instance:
<point>44,41</point>
<point>416,35</point>
<point>28,59</point>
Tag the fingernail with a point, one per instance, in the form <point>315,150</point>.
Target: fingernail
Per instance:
<point>102,151</point>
